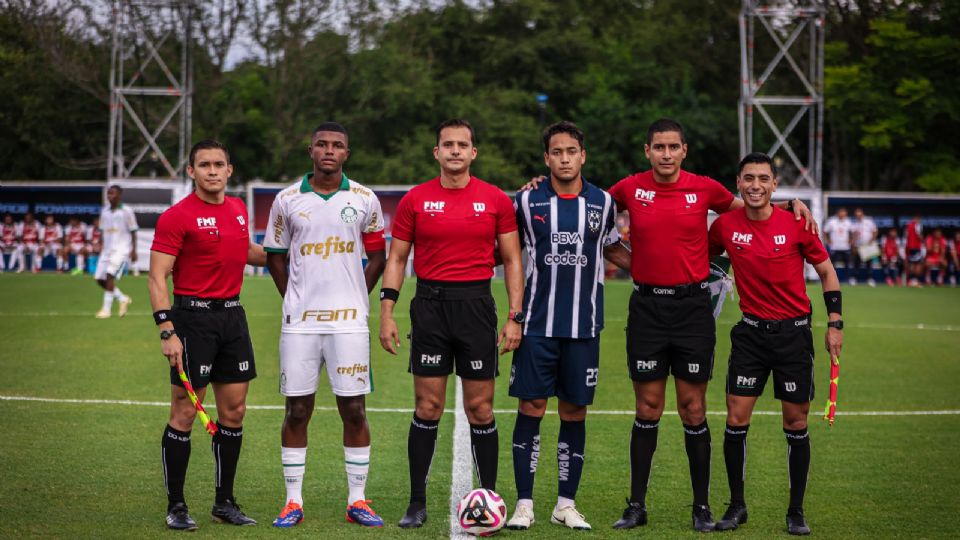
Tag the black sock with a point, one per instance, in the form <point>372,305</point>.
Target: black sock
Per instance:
<point>421,443</point>
<point>798,463</point>
<point>526,453</point>
<point>226,453</point>
<point>175,455</point>
<point>643,443</point>
<point>570,444</point>
<point>486,449</point>
<point>735,455</point>
<point>697,441</point>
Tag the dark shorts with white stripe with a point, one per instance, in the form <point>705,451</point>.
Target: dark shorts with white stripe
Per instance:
<point>759,347</point>
<point>216,342</point>
<point>545,367</point>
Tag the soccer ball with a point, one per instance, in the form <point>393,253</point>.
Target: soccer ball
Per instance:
<point>481,512</point>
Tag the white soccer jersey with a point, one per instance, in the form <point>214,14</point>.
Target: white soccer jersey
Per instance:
<point>117,226</point>
<point>838,233</point>
<point>863,231</point>
<point>323,235</point>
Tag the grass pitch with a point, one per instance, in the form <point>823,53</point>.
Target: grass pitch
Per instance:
<point>88,469</point>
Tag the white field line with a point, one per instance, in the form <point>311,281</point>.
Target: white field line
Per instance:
<point>461,480</point>
<point>722,322</point>
<point>468,467</point>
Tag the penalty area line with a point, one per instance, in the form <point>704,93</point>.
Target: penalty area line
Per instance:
<point>464,423</point>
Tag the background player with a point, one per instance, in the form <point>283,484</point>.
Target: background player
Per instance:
<point>865,249</point>
<point>75,235</point>
<point>204,241</point>
<point>891,257</point>
<point>670,326</point>
<point>937,256</point>
<point>30,242</point>
<point>119,226</point>
<point>567,226</point>
<point>51,238</point>
<point>913,237</point>
<point>319,226</point>
<point>838,231</point>
<point>767,249</point>
<point>454,221</point>
<point>10,245</point>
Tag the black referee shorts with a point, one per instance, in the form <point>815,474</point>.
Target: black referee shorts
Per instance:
<point>216,345</point>
<point>670,330</point>
<point>453,324</point>
<point>785,347</point>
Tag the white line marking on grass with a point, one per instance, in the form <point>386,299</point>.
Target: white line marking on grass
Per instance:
<point>464,423</point>
<point>461,480</point>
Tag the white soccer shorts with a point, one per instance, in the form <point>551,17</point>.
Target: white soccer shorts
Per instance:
<point>110,264</point>
<point>346,357</point>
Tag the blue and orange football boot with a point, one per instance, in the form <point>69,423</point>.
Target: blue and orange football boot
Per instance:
<point>290,516</point>
<point>361,513</point>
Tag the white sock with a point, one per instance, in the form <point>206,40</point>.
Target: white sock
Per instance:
<point>525,502</point>
<point>294,463</point>
<point>118,294</point>
<point>80,262</point>
<point>60,264</point>
<point>357,461</point>
<point>563,501</point>
<point>107,300</point>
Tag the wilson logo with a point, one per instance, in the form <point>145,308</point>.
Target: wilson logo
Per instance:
<point>691,198</point>
<point>790,386</point>
<point>479,207</point>
<point>329,315</point>
<point>780,239</point>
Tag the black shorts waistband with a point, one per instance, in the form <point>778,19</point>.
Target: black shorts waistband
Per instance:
<point>677,291</point>
<point>773,326</point>
<point>195,303</point>
<point>452,290</point>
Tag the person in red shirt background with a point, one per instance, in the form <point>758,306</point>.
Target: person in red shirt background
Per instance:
<point>455,222</point>
<point>913,233</point>
<point>891,257</point>
<point>767,249</point>
<point>936,257</point>
<point>204,241</point>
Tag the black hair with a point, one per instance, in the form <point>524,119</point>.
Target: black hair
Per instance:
<point>208,144</point>
<point>335,127</point>
<point>564,126</point>
<point>116,187</point>
<point>663,125</point>
<point>456,122</point>
<point>757,157</point>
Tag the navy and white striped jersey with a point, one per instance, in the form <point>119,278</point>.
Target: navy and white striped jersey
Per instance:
<point>564,238</point>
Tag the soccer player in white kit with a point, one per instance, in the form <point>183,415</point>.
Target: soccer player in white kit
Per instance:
<point>119,226</point>
<point>10,244</point>
<point>319,228</point>
<point>51,237</point>
<point>75,236</point>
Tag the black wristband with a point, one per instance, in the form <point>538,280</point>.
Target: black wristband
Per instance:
<point>161,316</point>
<point>389,294</point>
<point>834,302</point>
<point>790,205</point>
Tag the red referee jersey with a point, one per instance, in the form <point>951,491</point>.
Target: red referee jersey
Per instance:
<point>767,258</point>
<point>668,225</point>
<point>210,242</point>
<point>453,231</point>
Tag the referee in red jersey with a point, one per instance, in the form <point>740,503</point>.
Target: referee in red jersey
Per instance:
<point>767,249</point>
<point>670,326</point>
<point>455,222</point>
<point>204,241</point>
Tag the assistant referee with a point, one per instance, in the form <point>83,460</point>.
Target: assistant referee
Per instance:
<point>204,241</point>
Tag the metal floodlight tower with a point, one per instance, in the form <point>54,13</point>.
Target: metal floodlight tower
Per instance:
<point>149,95</point>
<point>792,34</point>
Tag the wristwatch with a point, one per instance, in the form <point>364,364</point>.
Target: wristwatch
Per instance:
<point>517,317</point>
<point>165,334</point>
<point>838,324</point>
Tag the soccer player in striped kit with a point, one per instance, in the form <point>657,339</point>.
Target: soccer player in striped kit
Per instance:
<point>567,226</point>
<point>767,249</point>
<point>319,229</point>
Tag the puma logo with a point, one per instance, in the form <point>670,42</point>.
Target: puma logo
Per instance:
<point>541,219</point>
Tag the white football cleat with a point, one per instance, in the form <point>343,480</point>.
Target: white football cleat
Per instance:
<point>569,517</point>
<point>124,305</point>
<point>522,518</point>
<point>103,314</point>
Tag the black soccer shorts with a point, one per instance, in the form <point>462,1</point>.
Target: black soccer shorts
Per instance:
<point>216,346</point>
<point>453,325</point>
<point>670,335</point>
<point>782,347</point>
